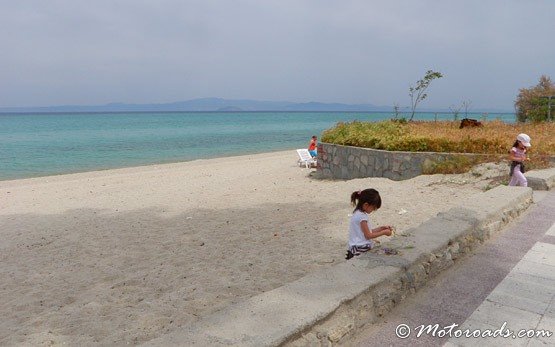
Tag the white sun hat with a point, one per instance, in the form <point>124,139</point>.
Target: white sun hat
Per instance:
<point>524,139</point>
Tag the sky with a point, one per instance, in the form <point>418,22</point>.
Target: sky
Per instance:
<point>73,52</point>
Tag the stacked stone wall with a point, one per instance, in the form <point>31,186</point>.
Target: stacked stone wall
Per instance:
<point>347,162</point>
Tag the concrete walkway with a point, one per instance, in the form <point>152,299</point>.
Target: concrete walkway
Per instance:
<point>509,279</point>
<point>525,299</point>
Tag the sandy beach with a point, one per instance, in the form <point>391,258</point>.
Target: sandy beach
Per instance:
<point>123,256</point>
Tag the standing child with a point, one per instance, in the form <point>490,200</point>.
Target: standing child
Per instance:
<point>312,146</point>
<point>517,156</point>
<point>360,229</point>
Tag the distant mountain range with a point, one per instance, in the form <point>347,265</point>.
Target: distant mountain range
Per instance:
<point>218,105</point>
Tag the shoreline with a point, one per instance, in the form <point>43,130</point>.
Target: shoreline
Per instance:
<point>126,255</point>
<point>50,145</point>
<point>145,165</point>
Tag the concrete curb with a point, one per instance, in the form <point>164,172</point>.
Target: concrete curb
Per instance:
<point>541,179</point>
<point>323,307</point>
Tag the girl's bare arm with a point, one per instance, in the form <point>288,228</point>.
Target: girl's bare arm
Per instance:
<point>512,157</point>
<point>372,234</point>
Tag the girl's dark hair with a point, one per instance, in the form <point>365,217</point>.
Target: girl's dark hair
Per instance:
<point>370,196</point>
<point>516,144</point>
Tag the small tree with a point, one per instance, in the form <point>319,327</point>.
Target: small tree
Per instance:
<point>466,104</point>
<point>455,110</point>
<point>418,93</point>
<point>532,104</point>
<point>396,111</point>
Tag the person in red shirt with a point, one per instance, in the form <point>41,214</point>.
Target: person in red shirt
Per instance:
<point>312,146</point>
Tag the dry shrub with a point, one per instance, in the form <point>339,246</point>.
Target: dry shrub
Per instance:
<point>494,137</point>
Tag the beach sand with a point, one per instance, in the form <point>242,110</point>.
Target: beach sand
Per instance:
<point>123,256</point>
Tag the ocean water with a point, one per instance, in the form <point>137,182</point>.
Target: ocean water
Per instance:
<point>34,145</point>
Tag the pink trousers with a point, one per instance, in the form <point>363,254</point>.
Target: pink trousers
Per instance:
<point>518,179</point>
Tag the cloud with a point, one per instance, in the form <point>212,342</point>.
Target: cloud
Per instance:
<point>76,52</point>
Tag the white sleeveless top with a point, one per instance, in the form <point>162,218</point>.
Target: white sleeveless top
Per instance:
<point>356,236</point>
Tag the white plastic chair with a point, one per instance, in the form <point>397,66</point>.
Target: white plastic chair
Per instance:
<point>305,158</point>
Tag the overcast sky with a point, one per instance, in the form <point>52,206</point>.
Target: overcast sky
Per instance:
<point>60,52</point>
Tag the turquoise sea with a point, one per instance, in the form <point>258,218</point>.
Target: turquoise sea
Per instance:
<point>46,144</point>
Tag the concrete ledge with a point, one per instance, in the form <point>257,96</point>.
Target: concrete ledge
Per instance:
<point>323,307</point>
<point>541,179</point>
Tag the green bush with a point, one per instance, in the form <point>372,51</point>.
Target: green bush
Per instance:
<point>532,104</point>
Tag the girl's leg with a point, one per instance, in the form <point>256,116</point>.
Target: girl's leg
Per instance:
<point>519,179</point>
<point>512,181</point>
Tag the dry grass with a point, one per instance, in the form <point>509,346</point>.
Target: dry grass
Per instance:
<point>494,137</point>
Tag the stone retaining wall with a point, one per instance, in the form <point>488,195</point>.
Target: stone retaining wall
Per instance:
<point>346,162</point>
